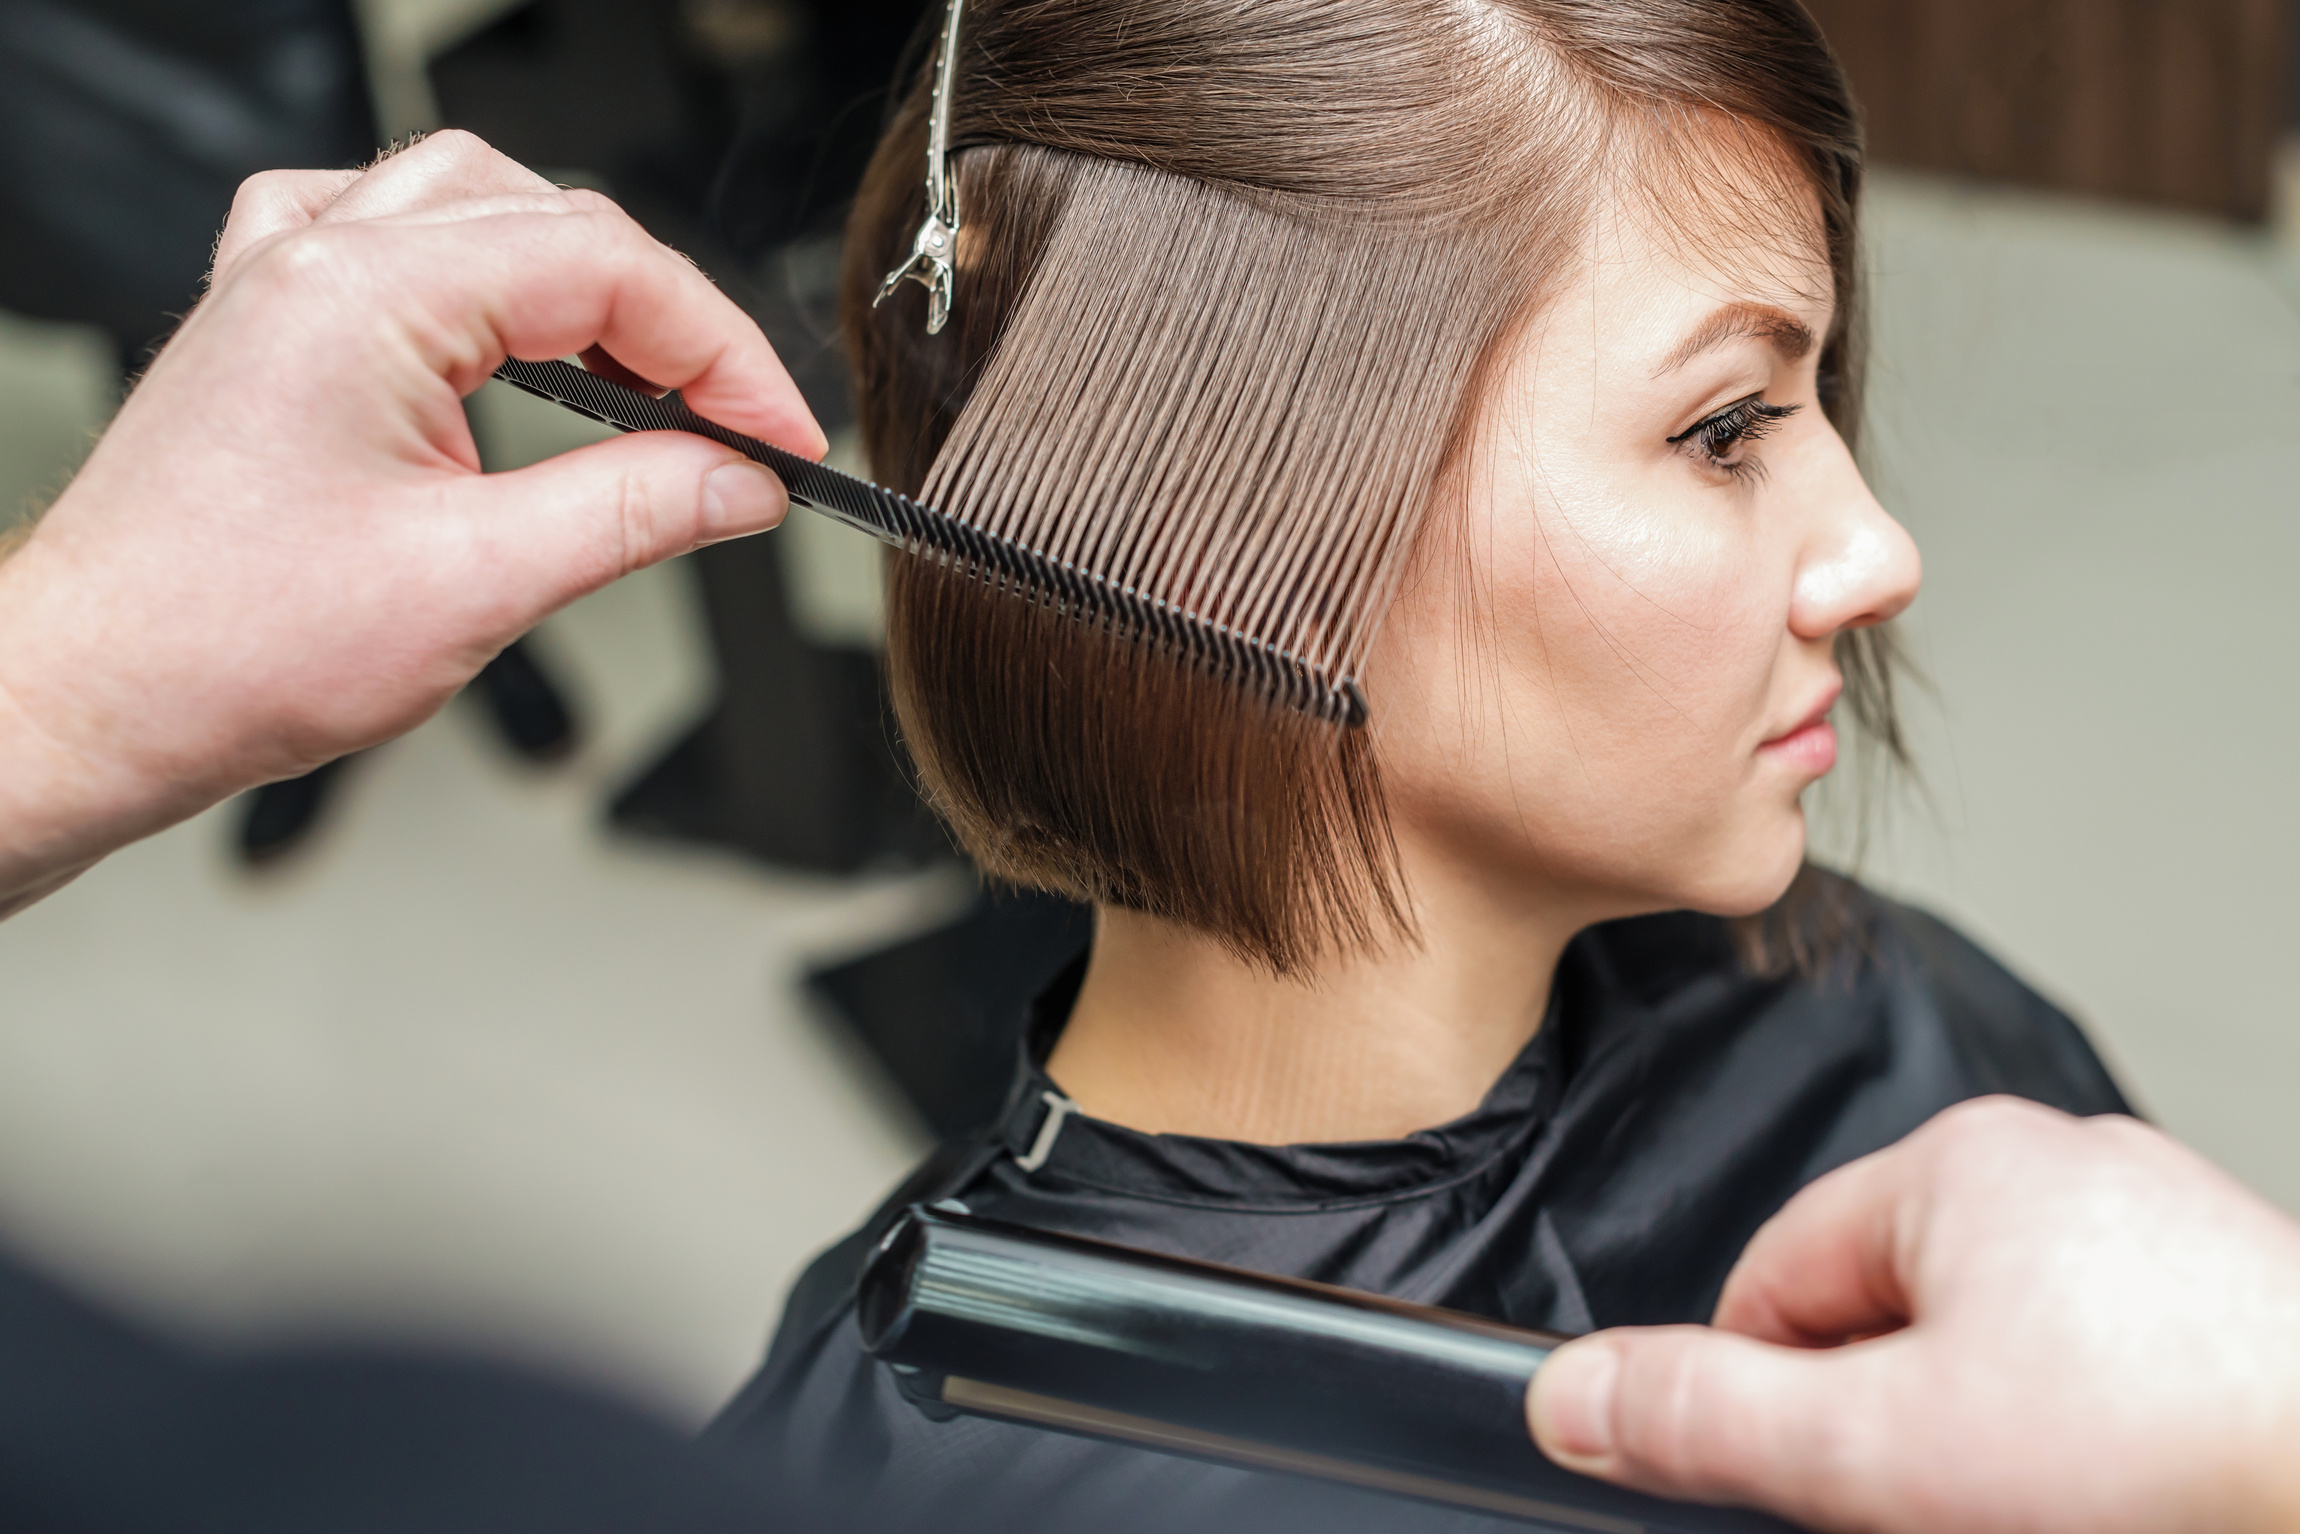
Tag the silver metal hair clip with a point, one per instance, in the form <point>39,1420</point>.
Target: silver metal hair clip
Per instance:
<point>936,243</point>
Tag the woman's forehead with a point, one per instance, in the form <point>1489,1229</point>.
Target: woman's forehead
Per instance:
<point>1670,258</point>
<point>1658,297</point>
<point>1719,201</point>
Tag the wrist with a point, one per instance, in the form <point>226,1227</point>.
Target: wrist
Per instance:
<point>52,826</point>
<point>63,805</point>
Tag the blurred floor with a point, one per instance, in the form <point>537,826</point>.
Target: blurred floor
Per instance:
<point>475,1069</point>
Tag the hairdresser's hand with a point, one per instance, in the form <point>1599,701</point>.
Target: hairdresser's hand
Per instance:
<point>2084,1325</point>
<point>283,549</point>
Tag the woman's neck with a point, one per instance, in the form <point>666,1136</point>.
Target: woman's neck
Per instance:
<point>1173,1035</point>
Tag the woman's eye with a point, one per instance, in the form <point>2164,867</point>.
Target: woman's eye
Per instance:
<point>1723,440</point>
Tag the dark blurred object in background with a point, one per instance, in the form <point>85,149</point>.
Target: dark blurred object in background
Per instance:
<point>276,819</point>
<point>125,128</point>
<point>805,130</point>
<point>2178,103</point>
<point>796,764</point>
<point>945,1013</point>
<point>610,89</point>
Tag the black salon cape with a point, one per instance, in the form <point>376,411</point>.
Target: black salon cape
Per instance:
<point>1669,1104</point>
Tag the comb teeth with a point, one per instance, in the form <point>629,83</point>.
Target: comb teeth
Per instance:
<point>999,562</point>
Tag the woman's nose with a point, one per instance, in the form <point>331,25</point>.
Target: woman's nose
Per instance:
<point>1861,567</point>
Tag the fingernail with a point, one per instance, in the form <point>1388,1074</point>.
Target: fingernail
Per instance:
<point>740,498</point>
<point>1571,1406</point>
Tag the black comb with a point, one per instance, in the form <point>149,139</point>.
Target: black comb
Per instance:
<point>996,561</point>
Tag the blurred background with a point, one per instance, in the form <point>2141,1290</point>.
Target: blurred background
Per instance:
<point>570,1025</point>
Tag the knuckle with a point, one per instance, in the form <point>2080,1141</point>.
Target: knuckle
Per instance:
<point>1985,1114</point>
<point>1666,1444</point>
<point>263,186</point>
<point>296,269</point>
<point>635,519</point>
<point>2123,1127</point>
<point>307,257</point>
<point>1993,1149</point>
<point>613,232</point>
<point>1990,1125</point>
<point>2127,1138</point>
<point>1661,1424</point>
<point>453,146</point>
<point>583,199</point>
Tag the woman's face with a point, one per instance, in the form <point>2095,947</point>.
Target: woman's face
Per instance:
<point>1615,685</point>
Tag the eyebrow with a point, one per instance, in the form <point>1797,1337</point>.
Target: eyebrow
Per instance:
<point>1787,334</point>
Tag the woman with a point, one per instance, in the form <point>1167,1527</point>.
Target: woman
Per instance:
<point>1521,338</point>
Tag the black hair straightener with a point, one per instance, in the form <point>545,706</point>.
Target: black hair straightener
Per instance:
<point>1192,1358</point>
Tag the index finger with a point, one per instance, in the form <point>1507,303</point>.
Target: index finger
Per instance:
<point>546,275</point>
<point>1828,1268</point>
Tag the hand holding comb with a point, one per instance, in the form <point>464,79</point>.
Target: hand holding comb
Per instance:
<point>924,532</point>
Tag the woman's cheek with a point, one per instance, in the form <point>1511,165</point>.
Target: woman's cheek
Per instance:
<point>1664,622</point>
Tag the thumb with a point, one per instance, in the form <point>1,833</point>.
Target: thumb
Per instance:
<point>566,526</point>
<point>1707,1416</point>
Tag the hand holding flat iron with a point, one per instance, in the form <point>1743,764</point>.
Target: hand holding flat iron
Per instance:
<point>284,550</point>
<point>2071,1325</point>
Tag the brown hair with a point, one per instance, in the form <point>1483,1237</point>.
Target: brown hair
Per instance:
<point>1231,285</point>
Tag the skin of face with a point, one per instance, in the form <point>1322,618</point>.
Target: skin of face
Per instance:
<point>1602,691</point>
<point>1592,689</point>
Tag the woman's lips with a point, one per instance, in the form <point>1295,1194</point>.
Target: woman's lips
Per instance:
<point>1812,746</point>
<point>1810,750</point>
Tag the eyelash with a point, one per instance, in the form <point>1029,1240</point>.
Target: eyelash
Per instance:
<point>1736,426</point>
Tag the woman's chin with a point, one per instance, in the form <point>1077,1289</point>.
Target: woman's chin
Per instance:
<point>1754,876</point>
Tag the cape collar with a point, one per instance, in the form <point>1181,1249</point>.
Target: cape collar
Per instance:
<point>1090,1152</point>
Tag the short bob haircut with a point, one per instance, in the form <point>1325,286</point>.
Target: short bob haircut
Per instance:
<point>1256,263</point>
